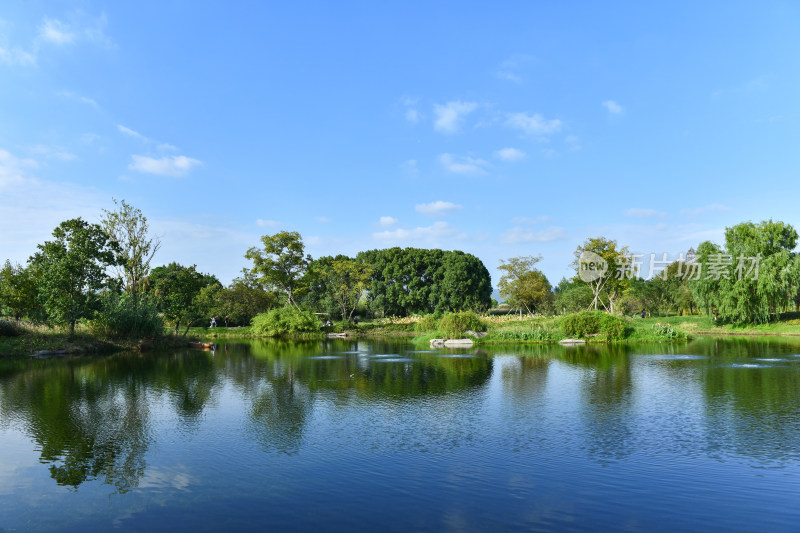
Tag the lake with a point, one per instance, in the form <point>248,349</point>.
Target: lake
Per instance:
<point>344,436</point>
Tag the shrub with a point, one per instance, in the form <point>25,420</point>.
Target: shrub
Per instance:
<point>455,324</point>
<point>535,334</point>
<point>614,327</point>
<point>121,316</point>
<point>9,329</point>
<point>426,323</point>
<point>285,321</point>
<point>583,323</point>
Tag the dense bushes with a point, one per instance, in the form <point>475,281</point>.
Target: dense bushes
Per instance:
<point>455,324</point>
<point>285,321</point>
<point>8,329</point>
<point>122,316</point>
<point>588,323</point>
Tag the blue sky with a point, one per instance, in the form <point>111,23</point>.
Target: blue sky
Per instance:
<point>517,128</point>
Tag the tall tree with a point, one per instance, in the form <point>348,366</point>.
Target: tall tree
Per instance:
<point>71,269</point>
<point>282,263</point>
<point>128,227</point>
<point>345,280</point>
<point>523,285</point>
<point>609,287</point>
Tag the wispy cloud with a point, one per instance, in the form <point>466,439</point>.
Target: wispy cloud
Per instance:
<point>387,221</point>
<point>262,223</point>
<point>530,220</point>
<point>53,152</point>
<point>322,220</point>
<point>613,107</point>
<point>636,212</point>
<point>511,68</point>
<point>462,164</point>
<point>132,133</point>
<point>523,235</point>
<point>534,125</point>
<point>437,209</point>
<point>17,56</point>
<point>56,32</point>
<point>410,166</point>
<point>509,154</point>
<point>174,166</point>
<point>450,116</point>
<point>710,208</point>
<point>411,114</point>
<point>436,233</point>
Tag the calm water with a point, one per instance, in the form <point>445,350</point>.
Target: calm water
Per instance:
<point>346,436</point>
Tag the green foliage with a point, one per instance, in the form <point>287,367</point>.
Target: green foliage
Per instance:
<point>588,323</point>
<point>536,334</point>
<point>738,291</point>
<point>582,324</point>
<point>285,321</point>
<point>426,323</point>
<point>614,327</point>
<point>178,292</point>
<point>666,331</point>
<point>9,329</point>
<point>342,280</point>
<point>524,286</point>
<point>282,263</point>
<point>124,316</point>
<point>609,288</point>
<point>455,324</point>
<point>71,269</point>
<point>239,302</point>
<point>127,226</point>
<point>409,281</point>
<point>17,290</point>
<point>572,296</point>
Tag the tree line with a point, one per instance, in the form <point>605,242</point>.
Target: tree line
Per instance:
<point>101,274</point>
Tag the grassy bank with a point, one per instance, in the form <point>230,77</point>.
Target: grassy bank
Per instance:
<point>30,338</point>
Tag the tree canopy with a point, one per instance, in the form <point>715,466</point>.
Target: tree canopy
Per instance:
<point>281,264</point>
<point>71,269</point>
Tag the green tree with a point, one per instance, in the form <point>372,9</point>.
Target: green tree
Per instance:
<point>282,263</point>
<point>243,299</point>
<point>128,227</point>
<point>572,295</point>
<point>71,270</point>
<point>178,292</point>
<point>17,290</point>
<point>523,285</point>
<point>609,288</point>
<point>345,281</point>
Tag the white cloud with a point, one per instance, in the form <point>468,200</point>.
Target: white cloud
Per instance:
<point>16,56</point>
<point>128,131</point>
<point>450,116</point>
<point>323,220</point>
<point>637,212</point>
<point>411,114</point>
<point>509,69</point>
<point>613,107</point>
<point>175,166</point>
<point>56,32</point>
<point>410,166</point>
<point>521,235</point>
<point>262,223</point>
<point>437,209</point>
<point>509,154</point>
<point>436,233</point>
<point>387,222</point>
<point>711,208</point>
<point>462,164</point>
<point>535,125</point>
<point>529,220</point>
